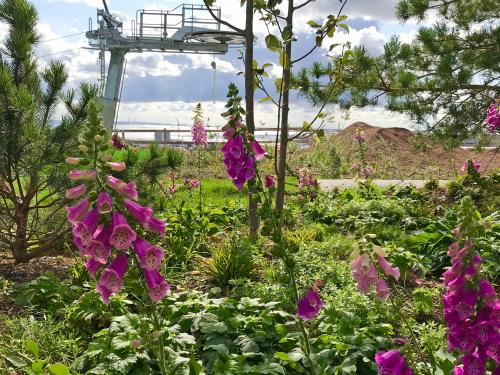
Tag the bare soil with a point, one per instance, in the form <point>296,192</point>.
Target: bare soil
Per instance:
<point>393,151</point>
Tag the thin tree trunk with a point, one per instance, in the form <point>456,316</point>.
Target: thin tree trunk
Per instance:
<point>20,246</point>
<point>280,192</point>
<point>253,217</point>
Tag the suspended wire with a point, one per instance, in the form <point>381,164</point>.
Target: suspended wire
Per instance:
<point>61,37</point>
<point>56,53</point>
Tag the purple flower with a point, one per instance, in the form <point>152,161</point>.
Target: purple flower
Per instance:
<point>140,213</point>
<point>472,163</point>
<point>150,256</point>
<point>199,133</point>
<point>76,192</point>
<point>382,290</point>
<point>309,305</point>
<point>83,231</point>
<point>111,280</point>
<point>387,267</point>
<point>258,150</point>
<point>116,165</point>
<point>493,118</point>
<point>392,363</point>
<point>487,292</point>
<point>92,266</point>
<point>104,204</point>
<point>78,212</point>
<point>85,174</point>
<point>269,181</point>
<point>127,189</point>
<point>117,142</point>
<point>474,364</point>
<point>157,286</point>
<point>156,226</point>
<point>122,235</point>
<point>100,247</point>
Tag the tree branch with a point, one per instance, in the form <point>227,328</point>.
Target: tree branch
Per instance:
<point>221,21</point>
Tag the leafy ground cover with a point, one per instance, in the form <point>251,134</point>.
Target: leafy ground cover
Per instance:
<point>227,310</point>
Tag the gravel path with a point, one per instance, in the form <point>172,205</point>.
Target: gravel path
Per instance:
<point>347,183</point>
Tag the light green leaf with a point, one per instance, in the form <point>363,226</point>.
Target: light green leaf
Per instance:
<point>32,347</point>
<point>266,99</point>
<point>37,366</point>
<point>58,369</point>
<point>273,43</point>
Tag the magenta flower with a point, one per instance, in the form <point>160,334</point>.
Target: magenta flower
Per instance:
<point>157,286</point>
<point>78,212</point>
<point>474,164</point>
<point>104,204</point>
<point>487,293</point>
<point>309,305</point>
<point>117,142</point>
<point>493,118</point>
<point>382,290</point>
<point>392,363</point>
<point>100,247</point>
<point>156,226</point>
<point>111,280</point>
<point>138,212</point>
<point>387,267</point>
<point>127,189</point>
<point>474,364</point>
<point>150,256</point>
<point>84,174</point>
<point>92,266</point>
<point>199,133</point>
<point>258,150</point>
<point>116,166</point>
<point>84,230</point>
<point>269,181</point>
<point>367,172</point>
<point>76,192</point>
<point>122,235</point>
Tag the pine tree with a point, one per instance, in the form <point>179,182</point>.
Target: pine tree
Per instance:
<point>444,80</point>
<point>32,148</point>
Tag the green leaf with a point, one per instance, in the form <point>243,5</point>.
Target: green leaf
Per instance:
<point>273,43</point>
<point>266,99</point>
<point>282,356</point>
<point>58,369</point>
<point>344,26</point>
<point>37,366</point>
<point>32,347</point>
<point>16,361</point>
<point>313,24</point>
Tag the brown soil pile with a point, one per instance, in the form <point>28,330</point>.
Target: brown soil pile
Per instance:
<point>396,153</point>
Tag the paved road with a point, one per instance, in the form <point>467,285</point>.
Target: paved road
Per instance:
<point>347,183</point>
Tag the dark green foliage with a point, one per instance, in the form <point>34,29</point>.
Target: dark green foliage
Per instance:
<point>444,80</point>
<point>32,147</point>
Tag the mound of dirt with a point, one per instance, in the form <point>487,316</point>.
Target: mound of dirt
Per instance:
<point>397,153</point>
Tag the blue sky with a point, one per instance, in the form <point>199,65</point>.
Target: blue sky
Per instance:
<point>165,87</point>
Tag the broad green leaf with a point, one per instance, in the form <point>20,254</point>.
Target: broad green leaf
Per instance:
<point>58,369</point>
<point>344,26</point>
<point>32,347</point>
<point>37,366</point>
<point>273,43</point>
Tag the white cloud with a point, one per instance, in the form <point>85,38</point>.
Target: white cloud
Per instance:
<point>370,37</point>
<point>154,64</point>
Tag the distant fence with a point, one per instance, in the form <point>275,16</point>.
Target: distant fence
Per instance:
<point>181,136</point>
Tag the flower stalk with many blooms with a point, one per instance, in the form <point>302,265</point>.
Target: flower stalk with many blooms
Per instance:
<point>107,222</point>
<point>492,120</point>
<point>200,141</point>
<point>471,306</point>
<point>241,150</point>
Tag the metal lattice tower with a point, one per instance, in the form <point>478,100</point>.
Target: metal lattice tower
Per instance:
<point>188,28</point>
